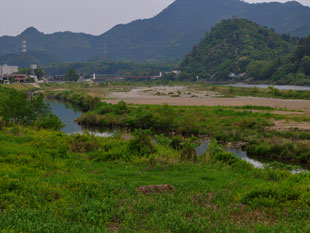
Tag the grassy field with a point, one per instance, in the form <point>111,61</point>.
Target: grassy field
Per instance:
<point>52,182</point>
<point>153,181</point>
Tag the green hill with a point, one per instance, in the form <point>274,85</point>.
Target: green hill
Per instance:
<point>231,46</point>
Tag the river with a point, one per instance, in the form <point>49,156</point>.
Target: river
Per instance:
<point>68,114</point>
<point>265,86</point>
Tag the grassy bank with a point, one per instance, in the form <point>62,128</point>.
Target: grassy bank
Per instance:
<point>52,182</point>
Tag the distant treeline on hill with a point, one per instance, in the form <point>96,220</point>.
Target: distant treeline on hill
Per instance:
<point>109,67</point>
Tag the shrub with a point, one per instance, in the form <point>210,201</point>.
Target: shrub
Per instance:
<point>51,121</point>
<point>83,143</point>
<point>1,124</point>
<point>270,196</point>
<point>216,154</point>
<point>141,144</point>
<point>188,151</point>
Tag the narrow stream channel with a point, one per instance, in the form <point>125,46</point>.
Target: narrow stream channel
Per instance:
<point>68,115</point>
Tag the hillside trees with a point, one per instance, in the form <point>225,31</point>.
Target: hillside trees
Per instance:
<point>71,75</point>
<point>235,46</point>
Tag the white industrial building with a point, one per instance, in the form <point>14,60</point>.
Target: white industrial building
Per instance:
<point>7,70</point>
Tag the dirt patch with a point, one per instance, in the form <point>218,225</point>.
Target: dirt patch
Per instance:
<point>244,217</point>
<point>114,226</point>
<point>156,188</point>
<point>96,172</point>
<point>287,125</point>
<point>205,200</point>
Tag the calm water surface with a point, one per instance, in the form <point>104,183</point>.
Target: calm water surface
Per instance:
<point>68,115</point>
<point>279,87</point>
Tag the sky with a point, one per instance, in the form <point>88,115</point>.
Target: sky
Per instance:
<point>88,16</point>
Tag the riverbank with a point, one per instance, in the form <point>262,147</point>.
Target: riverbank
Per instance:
<point>191,94</point>
<point>71,184</point>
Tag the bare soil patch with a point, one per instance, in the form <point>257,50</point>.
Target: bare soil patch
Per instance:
<point>287,125</point>
<point>156,188</point>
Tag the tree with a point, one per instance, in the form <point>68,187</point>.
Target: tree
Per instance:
<point>39,73</point>
<point>16,107</point>
<point>71,75</point>
<point>259,69</point>
<point>305,63</point>
<point>26,71</point>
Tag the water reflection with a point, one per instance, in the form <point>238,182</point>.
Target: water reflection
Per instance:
<point>68,114</point>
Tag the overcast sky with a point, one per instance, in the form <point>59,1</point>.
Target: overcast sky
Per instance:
<point>89,16</point>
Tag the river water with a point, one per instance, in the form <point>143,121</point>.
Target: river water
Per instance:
<point>265,86</point>
<point>69,114</point>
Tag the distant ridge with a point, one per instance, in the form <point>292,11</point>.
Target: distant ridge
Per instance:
<point>169,35</point>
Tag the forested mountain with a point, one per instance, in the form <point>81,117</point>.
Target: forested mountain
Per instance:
<point>169,35</point>
<point>239,49</point>
<point>230,46</point>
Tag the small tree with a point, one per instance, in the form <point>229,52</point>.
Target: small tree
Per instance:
<point>39,73</point>
<point>71,75</point>
<point>305,63</point>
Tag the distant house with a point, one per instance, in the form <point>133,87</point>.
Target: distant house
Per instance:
<point>59,78</point>
<point>56,78</point>
<point>21,78</point>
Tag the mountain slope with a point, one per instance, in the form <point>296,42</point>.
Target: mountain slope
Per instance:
<point>169,35</point>
<point>230,46</point>
<point>26,59</point>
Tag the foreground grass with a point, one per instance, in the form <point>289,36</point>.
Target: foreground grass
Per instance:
<point>52,182</point>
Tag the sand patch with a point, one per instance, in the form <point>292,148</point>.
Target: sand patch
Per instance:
<point>288,125</point>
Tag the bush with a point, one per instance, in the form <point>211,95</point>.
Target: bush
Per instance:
<point>1,124</point>
<point>51,121</point>
<point>83,143</point>
<point>216,154</point>
<point>141,144</point>
<point>271,196</point>
<point>188,151</point>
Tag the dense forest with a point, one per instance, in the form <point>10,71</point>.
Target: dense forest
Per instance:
<point>239,49</point>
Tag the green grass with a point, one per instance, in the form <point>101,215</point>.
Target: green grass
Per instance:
<point>48,185</point>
